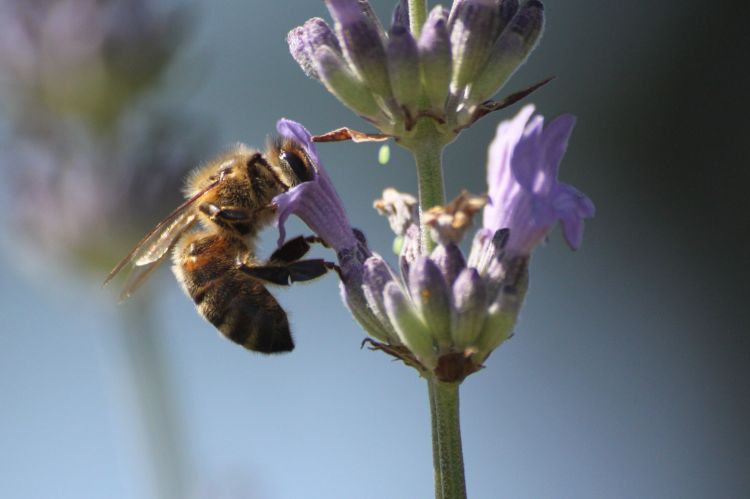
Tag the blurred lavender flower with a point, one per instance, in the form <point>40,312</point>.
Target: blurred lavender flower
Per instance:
<point>80,163</point>
<point>76,198</point>
<point>446,313</point>
<point>445,70</point>
<point>85,58</point>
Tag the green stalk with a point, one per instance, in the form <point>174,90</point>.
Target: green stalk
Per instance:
<point>435,443</point>
<point>426,144</point>
<point>417,16</point>
<point>446,439</point>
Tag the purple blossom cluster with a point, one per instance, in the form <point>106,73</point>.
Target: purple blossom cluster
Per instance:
<point>445,70</point>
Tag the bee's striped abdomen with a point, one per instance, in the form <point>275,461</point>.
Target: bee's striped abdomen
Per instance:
<point>239,306</point>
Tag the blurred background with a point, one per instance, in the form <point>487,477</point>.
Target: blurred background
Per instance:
<point>628,374</point>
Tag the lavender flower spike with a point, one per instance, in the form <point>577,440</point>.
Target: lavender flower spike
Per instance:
<point>525,195</point>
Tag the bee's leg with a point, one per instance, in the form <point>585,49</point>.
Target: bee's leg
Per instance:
<point>274,275</point>
<point>307,270</point>
<point>284,275</point>
<point>294,249</point>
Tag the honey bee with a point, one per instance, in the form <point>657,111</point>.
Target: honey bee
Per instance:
<point>212,239</point>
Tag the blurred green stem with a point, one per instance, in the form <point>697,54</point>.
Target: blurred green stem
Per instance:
<point>446,440</point>
<point>154,406</point>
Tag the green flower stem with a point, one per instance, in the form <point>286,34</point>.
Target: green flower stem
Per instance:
<point>426,144</point>
<point>435,446</point>
<point>417,16</point>
<point>446,440</point>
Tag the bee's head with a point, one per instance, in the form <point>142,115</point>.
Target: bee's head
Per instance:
<point>290,162</point>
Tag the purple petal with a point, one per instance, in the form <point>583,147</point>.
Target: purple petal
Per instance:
<point>501,184</point>
<point>555,141</point>
<point>526,158</point>
<point>286,204</point>
<point>525,195</point>
<point>315,202</point>
<point>572,206</point>
<point>293,130</point>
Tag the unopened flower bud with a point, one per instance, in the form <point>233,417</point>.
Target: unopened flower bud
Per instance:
<point>376,276</point>
<point>449,258</point>
<point>403,67</point>
<point>431,296</point>
<point>470,302</point>
<point>510,50</point>
<point>305,40</point>
<point>363,39</point>
<point>400,15</point>
<point>503,312</point>
<point>473,25</point>
<point>413,332</point>
<point>345,85</point>
<point>506,9</point>
<point>435,58</point>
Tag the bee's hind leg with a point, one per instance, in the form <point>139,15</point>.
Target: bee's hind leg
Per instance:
<point>284,275</point>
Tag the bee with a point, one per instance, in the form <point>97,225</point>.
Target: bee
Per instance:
<point>212,236</point>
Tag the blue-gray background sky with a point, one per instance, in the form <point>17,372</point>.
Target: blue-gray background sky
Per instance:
<point>627,377</point>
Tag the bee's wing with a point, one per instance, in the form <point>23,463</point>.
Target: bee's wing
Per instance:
<point>161,241</point>
<point>151,250</point>
<point>145,265</point>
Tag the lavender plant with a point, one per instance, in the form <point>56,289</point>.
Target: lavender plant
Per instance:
<point>421,83</point>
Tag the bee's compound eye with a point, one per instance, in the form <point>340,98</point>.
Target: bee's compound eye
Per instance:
<point>298,165</point>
